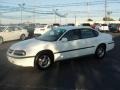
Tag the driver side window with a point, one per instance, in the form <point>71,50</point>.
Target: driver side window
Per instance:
<point>72,35</point>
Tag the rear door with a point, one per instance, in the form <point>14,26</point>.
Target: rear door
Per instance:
<point>90,37</point>
<point>17,32</point>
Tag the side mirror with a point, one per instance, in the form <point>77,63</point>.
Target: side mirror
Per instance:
<point>64,39</point>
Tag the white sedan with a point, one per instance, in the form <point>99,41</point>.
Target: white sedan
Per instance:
<point>60,44</point>
<point>104,27</point>
<point>39,30</point>
<point>8,33</point>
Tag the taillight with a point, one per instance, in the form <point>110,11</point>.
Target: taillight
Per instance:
<point>119,28</point>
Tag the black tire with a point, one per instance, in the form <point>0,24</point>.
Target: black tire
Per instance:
<point>22,37</point>
<point>100,52</point>
<point>43,61</point>
<point>1,40</point>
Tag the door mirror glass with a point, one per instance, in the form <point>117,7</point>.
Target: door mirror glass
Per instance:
<point>64,39</point>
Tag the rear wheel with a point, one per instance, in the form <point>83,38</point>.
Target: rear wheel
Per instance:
<point>100,52</point>
<point>22,37</point>
<point>43,61</point>
<point>1,40</point>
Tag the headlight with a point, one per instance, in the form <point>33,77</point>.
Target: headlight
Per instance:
<point>19,52</point>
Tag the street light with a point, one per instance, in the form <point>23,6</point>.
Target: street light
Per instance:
<point>55,15</point>
<point>88,9</point>
<point>21,9</point>
<point>75,19</point>
<point>0,18</point>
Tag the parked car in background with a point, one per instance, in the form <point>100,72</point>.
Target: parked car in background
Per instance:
<point>104,27</point>
<point>8,33</point>
<point>114,27</point>
<point>96,26</point>
<point>55,25</point>
<point>41,29</point>
<point>85,24</point>
<point>70,24</point>
<point>58,44</point>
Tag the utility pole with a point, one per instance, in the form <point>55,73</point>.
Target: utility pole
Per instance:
<point>55,15</point>
<point>21,9</point>
<point>60,20</point>
<point>55,19</point>
<point>0,19</point>
<point>34,16</point>
<point>105,8</point>
<point>88,10</point>
<point>66,20</point>
<point>75,19</point>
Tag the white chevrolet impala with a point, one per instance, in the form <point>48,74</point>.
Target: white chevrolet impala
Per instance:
<point>60,44</point>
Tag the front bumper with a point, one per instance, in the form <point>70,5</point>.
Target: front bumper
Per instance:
<point>24,61</point>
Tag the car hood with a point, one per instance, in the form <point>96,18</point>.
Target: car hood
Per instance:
<point>29,44</point>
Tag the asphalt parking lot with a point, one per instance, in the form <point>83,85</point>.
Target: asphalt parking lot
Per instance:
<point>83,73</point>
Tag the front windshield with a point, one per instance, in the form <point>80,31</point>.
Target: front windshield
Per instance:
<point>52,35</point>
<point>2,28</point>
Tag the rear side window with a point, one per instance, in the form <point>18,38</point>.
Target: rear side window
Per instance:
<point>88,33</point>
<point>17,29</point>
<point>95,33</point>
<point>11,29</point>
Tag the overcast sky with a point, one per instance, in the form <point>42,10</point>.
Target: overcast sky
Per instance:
<point>39,10</point>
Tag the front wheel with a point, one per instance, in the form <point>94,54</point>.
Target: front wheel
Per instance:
<point>22,37</point>
<point>43,61</point>
<point>100,52</point>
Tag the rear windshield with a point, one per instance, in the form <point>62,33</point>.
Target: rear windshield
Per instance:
<point>86,24</point>
<point>56,24</point>
<point>104,24</point>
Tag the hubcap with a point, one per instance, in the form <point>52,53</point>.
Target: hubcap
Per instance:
<point>44,61</point>
<point>22,37</point>
<point>101,52</point>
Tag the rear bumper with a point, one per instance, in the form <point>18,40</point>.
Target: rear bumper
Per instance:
<point>110,46</point>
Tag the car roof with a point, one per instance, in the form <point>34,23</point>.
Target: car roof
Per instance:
<point>73,27</point>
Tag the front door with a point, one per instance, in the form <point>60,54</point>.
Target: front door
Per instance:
<point>73,47</point>
<point>9,34</point>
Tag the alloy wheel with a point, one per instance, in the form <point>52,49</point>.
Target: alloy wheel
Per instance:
<point>44,61</point>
